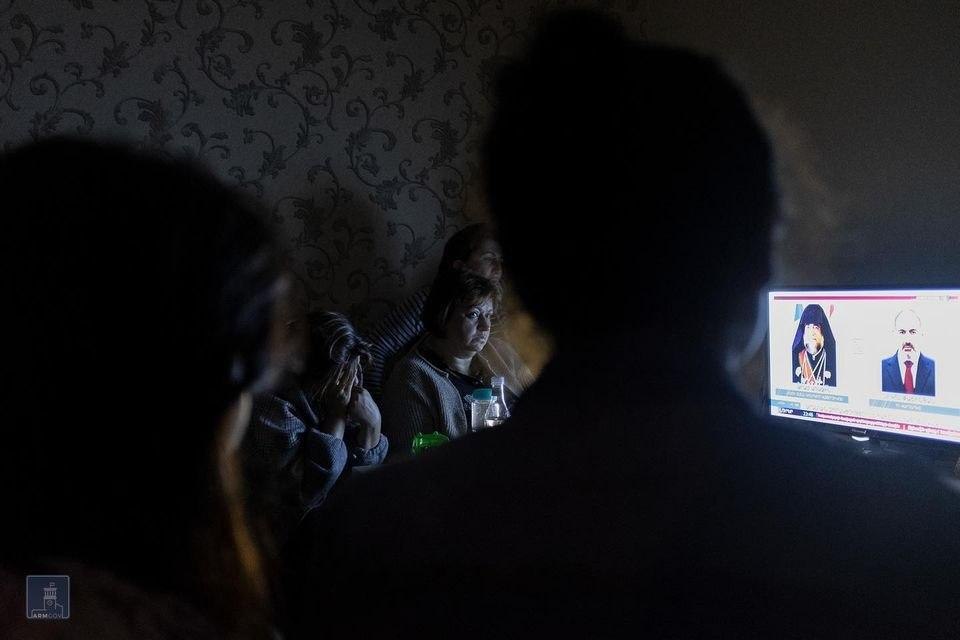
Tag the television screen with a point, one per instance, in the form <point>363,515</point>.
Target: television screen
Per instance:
<point>879,360</point>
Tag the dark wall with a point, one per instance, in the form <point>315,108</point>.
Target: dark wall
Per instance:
<point>355,122</point>
<point>864,98</point>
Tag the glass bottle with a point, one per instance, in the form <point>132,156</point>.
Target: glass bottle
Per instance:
<point>498,383</point>
<point>497,412</point>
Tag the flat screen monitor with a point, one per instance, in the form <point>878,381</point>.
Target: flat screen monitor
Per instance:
<point>885,361</point>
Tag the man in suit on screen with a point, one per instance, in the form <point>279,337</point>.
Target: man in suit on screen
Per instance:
<point>908,370</point>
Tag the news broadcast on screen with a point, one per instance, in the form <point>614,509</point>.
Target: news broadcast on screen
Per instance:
<point>883,361</point>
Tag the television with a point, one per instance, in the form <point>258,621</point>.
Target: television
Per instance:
<point>882,362</point>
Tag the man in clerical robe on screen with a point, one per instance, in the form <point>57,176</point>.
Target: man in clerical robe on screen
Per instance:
<point>814,351</point>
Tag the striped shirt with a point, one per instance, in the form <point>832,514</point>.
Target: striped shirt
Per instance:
<point>391,338</point>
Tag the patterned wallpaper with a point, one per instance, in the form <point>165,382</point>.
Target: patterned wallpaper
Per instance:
<point>355,122</point>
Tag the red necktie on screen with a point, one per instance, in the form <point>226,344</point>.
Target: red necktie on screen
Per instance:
<point>908,377</point>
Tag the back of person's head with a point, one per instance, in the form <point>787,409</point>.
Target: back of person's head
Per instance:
<point>453,288</point>
<point>333,342</point>
<point>630,182</point>
<point>463,243</point>
<point>140,307</point>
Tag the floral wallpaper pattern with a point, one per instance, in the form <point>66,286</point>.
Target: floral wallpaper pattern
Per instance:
<point>354,122</point>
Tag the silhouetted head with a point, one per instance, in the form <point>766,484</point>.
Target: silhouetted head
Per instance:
<point>632,178</point>
<point>140,304</point>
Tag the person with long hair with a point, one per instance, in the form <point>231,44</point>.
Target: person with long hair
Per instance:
<point>141,302</point>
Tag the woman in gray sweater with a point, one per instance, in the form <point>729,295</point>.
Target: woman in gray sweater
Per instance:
<point>426,389</point>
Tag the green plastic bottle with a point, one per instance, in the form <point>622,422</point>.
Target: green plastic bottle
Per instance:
<point>424,441</point>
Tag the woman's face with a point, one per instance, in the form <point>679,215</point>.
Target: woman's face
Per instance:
<point>468,327</point>
<point>486,260</point>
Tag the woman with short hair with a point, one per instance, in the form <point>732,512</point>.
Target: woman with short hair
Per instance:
<point>426,390</point>
<point>473,248</point>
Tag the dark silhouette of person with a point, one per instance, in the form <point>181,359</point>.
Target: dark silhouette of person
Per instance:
<point>140,297</point>
<point>633,492</point>
<point>814,351</point>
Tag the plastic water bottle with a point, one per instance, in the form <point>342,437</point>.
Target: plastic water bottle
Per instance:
<point>480,401</point>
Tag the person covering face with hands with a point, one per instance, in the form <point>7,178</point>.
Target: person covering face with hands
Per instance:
<point>319,426</point>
